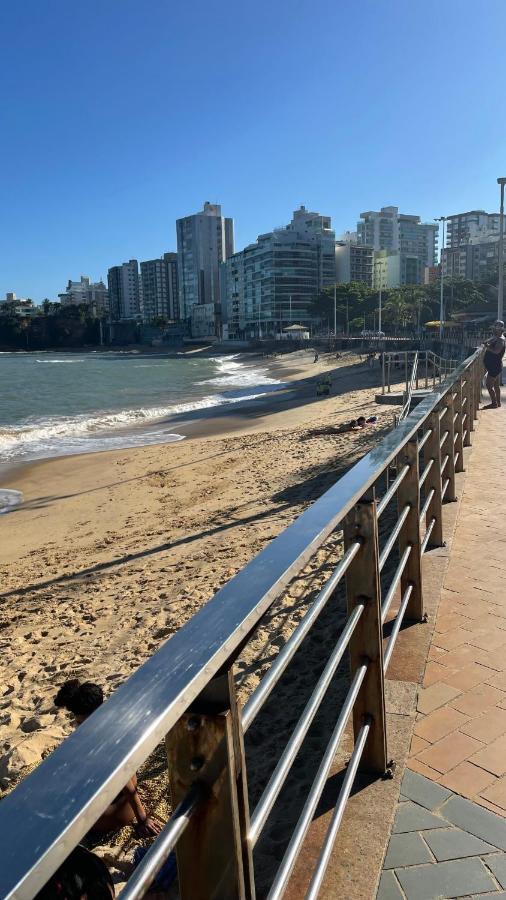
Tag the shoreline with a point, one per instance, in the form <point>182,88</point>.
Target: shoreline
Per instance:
<point>213,421</point>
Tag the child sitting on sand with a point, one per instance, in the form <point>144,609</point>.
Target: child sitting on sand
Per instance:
<point>82,700</point>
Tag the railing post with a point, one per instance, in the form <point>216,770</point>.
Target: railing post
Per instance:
<point>459,430</point>
<point>408,493</point>
<point>478,383</point>
<point>432,451</point>
<point>449,448</point>
<point>366,644</point>
<point>468,413</point>
<point>206,746</point>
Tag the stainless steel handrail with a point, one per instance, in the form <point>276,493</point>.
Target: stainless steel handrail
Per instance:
<point>387,549</point>
<point>397,624</point>
<point>261,693</point>
<point>426,505</point>
<point>385,500</point>
<point>394,583</point>
<point>337,815</point>
<point>423,440</point>
<point>68,798</point>
<point>409,393</point>
<point>288,862</point>
<point>426,471</point>
<point>147,870</point>
<point>278,777</point>
<point>427,535</point>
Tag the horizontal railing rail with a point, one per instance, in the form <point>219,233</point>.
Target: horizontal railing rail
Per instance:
<point>185,693</point>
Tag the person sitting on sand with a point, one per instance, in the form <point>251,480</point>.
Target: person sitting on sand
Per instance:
<point>362,421</point>
<point>82,699</point>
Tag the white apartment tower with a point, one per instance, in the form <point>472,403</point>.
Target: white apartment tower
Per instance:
<point>85,292</point>
<point>414,240</point>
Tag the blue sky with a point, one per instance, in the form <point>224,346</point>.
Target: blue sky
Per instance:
<point>117,117</point>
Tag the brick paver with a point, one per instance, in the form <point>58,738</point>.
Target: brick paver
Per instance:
<point>459,738</point>
<point>468,653</point>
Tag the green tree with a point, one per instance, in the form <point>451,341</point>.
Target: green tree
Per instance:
<point>160,322</point>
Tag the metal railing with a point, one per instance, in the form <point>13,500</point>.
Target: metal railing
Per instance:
<point>408,396</point>
<point>185,694</point>
<point>431,370</point>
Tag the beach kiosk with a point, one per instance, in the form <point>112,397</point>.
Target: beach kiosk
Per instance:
<point>293,333</point>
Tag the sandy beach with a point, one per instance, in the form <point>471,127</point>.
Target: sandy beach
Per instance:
<point>110,553</point>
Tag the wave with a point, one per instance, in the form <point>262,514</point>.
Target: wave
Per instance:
<point>37,437</point>
<point>78,434</point>
<point>236,373</point>
<point>9,500</point>
<point>57,362</point>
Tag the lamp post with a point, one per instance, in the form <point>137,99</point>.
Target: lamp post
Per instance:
<point>500,285</point>
<point>379,312</point>
<point>441,298</point>
<point>335,311</point>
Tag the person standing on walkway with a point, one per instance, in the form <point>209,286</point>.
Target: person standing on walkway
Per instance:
<point>492,360</point>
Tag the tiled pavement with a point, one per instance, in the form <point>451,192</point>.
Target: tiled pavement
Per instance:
<point>460,734</point>
<point>459,739</point>
<point>442,845</point>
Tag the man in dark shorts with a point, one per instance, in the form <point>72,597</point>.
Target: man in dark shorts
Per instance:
<point>492,360</point>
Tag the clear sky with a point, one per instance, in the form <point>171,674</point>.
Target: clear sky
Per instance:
<point>118,116</point>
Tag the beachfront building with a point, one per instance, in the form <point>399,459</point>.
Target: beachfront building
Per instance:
<point>354,262</point>
<point>478,260</point>
<point>470,227</point>
<point>85,292</point>
<point>413,240</point>
<point>159,288</point>
<point>124,293</point>
<point>204,241</point>
<point>392,269</point>
<point>273,282</point>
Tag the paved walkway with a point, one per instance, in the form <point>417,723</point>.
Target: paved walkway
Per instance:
<point>450,830</point>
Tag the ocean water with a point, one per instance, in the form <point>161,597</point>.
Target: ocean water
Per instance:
<point>56,404</point>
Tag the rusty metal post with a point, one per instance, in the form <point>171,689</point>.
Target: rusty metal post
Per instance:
<point>206,746</point>
<point>366,645</point>
<point>448,448</point>
<point>432,451</point>
<point>459,430</point>
<point>408,493</point>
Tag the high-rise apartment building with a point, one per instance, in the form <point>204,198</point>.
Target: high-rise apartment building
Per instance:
<point>478,260</point>
<point>159,288</point>
<point>414,240</point>
<point>124,293</point>
<point>172,275</point>
<point>88,293</point>
<point>204,241</point>
<point>354,262</point>
<point>468,227</point>
<point>273,282</point>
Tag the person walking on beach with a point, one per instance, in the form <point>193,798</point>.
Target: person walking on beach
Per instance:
<point>82,700</point>
<point>492,361</point>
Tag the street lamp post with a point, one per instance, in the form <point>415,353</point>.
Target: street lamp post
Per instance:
<point>335,311</point>
<point>500,286</point>
<point>441,298</point>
